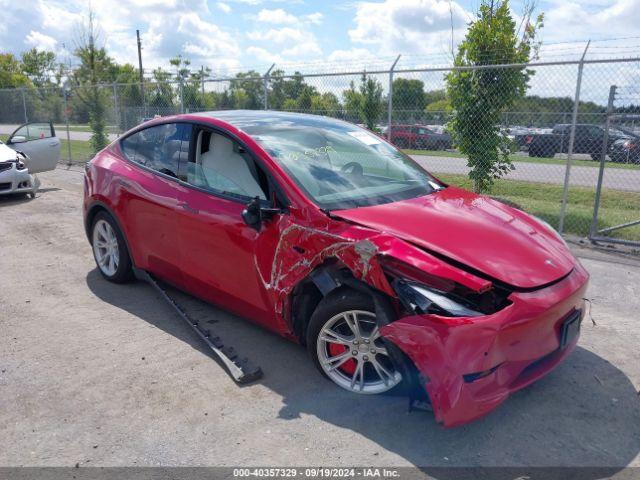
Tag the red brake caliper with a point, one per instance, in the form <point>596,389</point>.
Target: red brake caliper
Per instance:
<point>348,367</point>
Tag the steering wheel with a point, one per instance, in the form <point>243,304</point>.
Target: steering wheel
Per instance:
<point>354,168</point>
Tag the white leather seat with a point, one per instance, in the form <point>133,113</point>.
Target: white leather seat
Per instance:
<point>225,169</point>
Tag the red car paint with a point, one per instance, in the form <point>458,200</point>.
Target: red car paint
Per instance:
<point>207,249</point>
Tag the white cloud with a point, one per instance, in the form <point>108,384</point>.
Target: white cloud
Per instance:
<point>314,18</point>
<point>309,48</point>
<point>411,26</point>
<point>224,7</point>
<point>577,21</point>
<point>41,41</point>
<point>282,35</point>
<point>264,55</point>
<point>278,16</point>
<point>352,55</point>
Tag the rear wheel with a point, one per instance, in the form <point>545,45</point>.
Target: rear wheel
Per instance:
<point>344,342</point>
<point>109,249</point>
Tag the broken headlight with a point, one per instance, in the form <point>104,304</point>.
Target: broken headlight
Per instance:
<point>423,299</point>
<point>421,292</point>
<point>20,157</point>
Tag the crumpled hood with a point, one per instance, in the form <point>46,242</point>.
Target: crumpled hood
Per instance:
<point>6,153</point>
<point>502,242</point>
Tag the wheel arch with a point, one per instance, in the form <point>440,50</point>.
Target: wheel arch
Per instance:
<point>332,277</point>
<point>93,210</point>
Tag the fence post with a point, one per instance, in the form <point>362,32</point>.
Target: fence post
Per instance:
<point>603,155</point>
<point>24,106</point>
<point>181,96</point>
<point>390,99</point>
<point>65,92</point>
<point>572,136</point>
<point>202,82</point>
<point>115,108</point>
<point>265,86</point>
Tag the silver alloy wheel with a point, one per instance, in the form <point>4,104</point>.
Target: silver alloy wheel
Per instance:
<point>356,333</point>
<point>105,248</point>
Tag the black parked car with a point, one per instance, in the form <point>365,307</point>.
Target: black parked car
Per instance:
<point>626,150</point>
<point>588,139</point>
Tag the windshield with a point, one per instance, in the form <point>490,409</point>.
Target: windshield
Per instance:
<point>340,165</point>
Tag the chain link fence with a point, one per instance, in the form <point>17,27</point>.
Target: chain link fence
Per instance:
<point>555,132</point>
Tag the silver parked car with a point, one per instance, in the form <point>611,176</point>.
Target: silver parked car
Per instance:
<point>32,148</point>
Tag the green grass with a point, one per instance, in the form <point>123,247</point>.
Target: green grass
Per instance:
<point>543,200</point>
<point>520,158</point>
<point>80,151</point>
<point>60,129</point>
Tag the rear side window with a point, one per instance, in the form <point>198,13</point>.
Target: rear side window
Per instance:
<point>160,147</point>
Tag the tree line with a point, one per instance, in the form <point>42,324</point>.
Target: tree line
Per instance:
<point>180,88</point>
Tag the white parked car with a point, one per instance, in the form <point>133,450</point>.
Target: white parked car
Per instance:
<point>32,148</point>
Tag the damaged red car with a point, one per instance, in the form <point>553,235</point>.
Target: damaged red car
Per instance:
<point>327,234</point>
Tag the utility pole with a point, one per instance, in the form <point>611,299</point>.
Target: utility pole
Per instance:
<point>144,106</point>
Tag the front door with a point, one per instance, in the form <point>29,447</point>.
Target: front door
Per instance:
<point>38,141</point>
<point>219,251</point>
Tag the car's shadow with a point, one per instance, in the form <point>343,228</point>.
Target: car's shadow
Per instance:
<point>586,413</point>
<point>11,199</point>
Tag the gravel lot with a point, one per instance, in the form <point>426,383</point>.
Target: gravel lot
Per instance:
<point>106,375</point>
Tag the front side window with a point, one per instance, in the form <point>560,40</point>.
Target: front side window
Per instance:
<point>34,131</point>
<point>160,147</point>
<point>221,165</point>
<point>340,165</point>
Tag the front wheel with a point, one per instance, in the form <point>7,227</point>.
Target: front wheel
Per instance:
<point>344,342</point>
<point>110,249</point>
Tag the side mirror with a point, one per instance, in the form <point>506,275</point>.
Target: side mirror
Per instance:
<point>254,214</point>
<point>18,139</point>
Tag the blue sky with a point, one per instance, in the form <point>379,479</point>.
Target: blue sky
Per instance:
<point>232,34</point>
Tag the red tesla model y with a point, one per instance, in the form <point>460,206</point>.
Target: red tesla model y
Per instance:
<point>325,233</point>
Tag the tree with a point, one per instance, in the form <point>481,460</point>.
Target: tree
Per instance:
<point>11,73</point>
<point>39,66</point>
<point>371,101</point>
<point>408,97</point>
<point>352,102</point>
<point>480,96</point>
<point>159,92</point>
<point>96,67</point>
<point>247,90</point>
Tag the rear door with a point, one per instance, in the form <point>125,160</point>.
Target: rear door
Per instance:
<point>149,197</point>
<point>38,141</point>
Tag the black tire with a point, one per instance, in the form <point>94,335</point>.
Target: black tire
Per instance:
<point>342,300</point>
<point>124,271</point>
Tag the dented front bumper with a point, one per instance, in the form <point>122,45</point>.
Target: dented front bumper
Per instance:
<point>470,365</point>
